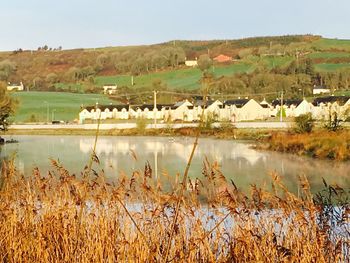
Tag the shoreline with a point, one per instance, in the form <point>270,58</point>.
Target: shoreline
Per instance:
<point>320,144</point>
<point>217,133</point>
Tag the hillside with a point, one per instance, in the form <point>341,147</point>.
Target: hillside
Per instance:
<point>261,67</point>
<point>46,69</point>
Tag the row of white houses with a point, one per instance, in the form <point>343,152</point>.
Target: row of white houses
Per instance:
<point>232,110</point>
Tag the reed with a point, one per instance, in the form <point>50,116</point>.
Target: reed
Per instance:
<point>319,144</point>
<point>60,217</point>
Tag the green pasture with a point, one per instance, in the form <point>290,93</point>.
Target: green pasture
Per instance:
<point>184,79</point>
<point>327,67</point>
<point>57,105</point>
<point>329,55</point>
<point>327,44</point>
<point>277,61</point>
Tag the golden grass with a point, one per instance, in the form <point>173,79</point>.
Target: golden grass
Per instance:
<point>319,144</point>
<point>57,217</point>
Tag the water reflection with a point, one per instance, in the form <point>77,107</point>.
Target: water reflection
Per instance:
<point>169,155</point>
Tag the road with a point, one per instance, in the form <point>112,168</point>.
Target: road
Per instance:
<point>105,126</point>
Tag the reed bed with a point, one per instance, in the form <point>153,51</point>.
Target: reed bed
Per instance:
<point>61,217</point>
<point>318,144</point>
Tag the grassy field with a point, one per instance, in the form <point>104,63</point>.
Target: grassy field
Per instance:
<point>60,106</point>
<point>326,67</point>
<point>328,55</point>
<point>318,144</point>
<point>184,79</point>
<point>273,62</point>
<point>326,44</point>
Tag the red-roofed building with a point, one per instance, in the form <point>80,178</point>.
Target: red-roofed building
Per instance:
<point>222,58</point>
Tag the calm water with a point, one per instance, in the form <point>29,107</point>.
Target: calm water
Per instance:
<point>237,161</point>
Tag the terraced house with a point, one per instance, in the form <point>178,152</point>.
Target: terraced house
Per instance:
<point>230,110</point>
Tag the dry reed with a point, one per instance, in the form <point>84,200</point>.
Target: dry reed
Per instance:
<point>57,217</point>
<point>319,144</point>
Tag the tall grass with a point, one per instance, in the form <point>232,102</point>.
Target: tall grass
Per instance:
<point>59,217</point>
<point>319,144</point>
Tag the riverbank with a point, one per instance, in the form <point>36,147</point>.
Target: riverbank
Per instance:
<point>218,133</point>
<point>319,144</point>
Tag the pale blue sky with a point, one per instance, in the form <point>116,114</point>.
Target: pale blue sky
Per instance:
<point>97,23</point>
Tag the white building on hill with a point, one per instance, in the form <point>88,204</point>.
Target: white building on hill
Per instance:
<point>15,87</point>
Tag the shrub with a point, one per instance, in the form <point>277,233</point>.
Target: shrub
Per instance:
<point>141,124</point>
<point>304,123</point>
<point>206,124</point>
<point>334,122</point>
<point>32,118</point>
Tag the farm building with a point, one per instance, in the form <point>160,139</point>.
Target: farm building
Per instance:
<point>15,87</point>
<point>222,58</point>
<point>320,90</point>
<point>110,89</point>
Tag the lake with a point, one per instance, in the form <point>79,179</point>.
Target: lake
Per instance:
<point>168,156</point>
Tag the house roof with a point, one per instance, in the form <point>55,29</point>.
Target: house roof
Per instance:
<point>151,106</point>
<point>208,103</point>
<point>179,103</point>
<point>222,58</point>
<point>264,104</point>
<point>341,100</point>
<point>14,84</point>
<point>239,103</point>
<point>287,102</point>
<point>110,107</point>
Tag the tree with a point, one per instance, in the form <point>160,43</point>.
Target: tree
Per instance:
<point>7,106</point>
<point>38,83</point>
<point>204,62</point>
<point>6,69</point>
<point>52,78</point>
<point>309,67</point>
<point>102,61</point>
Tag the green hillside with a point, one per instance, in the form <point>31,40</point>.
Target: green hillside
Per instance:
<point>261,67</point>
<point>43,106</point>
<point>184,79</point>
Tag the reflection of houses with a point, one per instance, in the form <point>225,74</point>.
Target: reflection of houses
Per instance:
<point>179,148</point>
<point>233,110</point>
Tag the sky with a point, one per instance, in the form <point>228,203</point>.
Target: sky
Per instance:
<point>28,24</point>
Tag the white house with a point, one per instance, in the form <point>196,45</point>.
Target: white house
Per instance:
<point>320,90</point>
<point>213,109</point>
<point>252,110</point>
<point>324,106</point>
<point>110,89</point>
<point>267,108</point>
<point>304,107</point>
<point>245,109</point>
<point>191,63</point>
<point>233,110</point>
<point>181,111</point>
<point>15,87</point>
